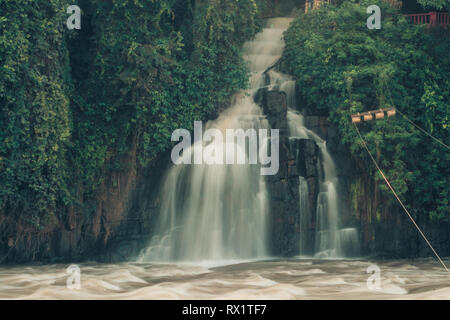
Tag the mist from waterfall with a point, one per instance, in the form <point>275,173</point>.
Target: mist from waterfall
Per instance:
<point>219,212</point>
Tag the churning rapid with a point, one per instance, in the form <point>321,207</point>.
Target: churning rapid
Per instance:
<point>220,212</point>
<point>291,279</point>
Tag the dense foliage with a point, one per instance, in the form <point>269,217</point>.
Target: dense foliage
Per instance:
<point>436,4</point>
<point>342,67</point>
<point>74,102</point>
<point>278,8</point>
<point>35,121</point>
<point>154,66</point>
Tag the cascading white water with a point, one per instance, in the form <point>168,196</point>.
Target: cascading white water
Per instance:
<point>289,88</point>
<point>219,212</point>
<point>330,241</point>
<point>296,125</point>
<point>303,192</point>
<point>327,235</point>
<point>327,211</point>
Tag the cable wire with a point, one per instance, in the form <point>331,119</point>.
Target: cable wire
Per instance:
<point>423,130</point>
<point>398,199</point>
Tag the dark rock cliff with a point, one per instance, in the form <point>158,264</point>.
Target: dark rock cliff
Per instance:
<point>298,158</point>
<point>282,187</point>
<point>116,231</point>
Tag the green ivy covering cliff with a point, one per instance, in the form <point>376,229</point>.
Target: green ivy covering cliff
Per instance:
<point>73,102</point>
<point>342,67</point>
<point>35,114</point>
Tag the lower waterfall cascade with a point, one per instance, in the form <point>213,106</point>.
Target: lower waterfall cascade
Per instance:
<point>331,241</point>
<point>220,212</point>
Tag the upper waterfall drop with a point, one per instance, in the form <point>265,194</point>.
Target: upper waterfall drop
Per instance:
<point>219,212</point>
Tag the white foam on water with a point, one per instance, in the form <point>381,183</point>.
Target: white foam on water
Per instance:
<point>288,279</point>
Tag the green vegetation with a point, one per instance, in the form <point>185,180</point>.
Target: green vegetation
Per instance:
<point>342,67</point>
<point>278,8</point>
<point>153,66</point>
<point>436,4</point>
<point>74,102</point>
<point>35,120</point>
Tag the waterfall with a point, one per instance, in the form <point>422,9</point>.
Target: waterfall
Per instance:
<point>327,235</point>
<point>303,192</point>
<point>219,212</point>
<point>330,240</point>
<point>296,125</point>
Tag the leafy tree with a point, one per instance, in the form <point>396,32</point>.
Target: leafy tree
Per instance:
<point>342,67</point>
<point>35,120</point>
<point>437,4</point>
<point>156,66</point>
<point>74,102</point>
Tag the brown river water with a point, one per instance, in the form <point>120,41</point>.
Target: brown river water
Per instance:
<point>271,279</point>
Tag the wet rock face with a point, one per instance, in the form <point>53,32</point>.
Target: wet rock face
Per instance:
<point>298,158</point>
<point>384,230</point>
<point>283,186</point>
<point>133,234</point>
<point>305,153</point>
<point>274,106</point>
<point>306,159</point>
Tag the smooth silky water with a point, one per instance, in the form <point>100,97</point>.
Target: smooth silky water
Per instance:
<point>211,238</point>
<point>331,240</point>
<point>219,212</point>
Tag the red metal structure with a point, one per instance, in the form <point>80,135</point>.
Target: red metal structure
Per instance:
<point>431,18</point>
